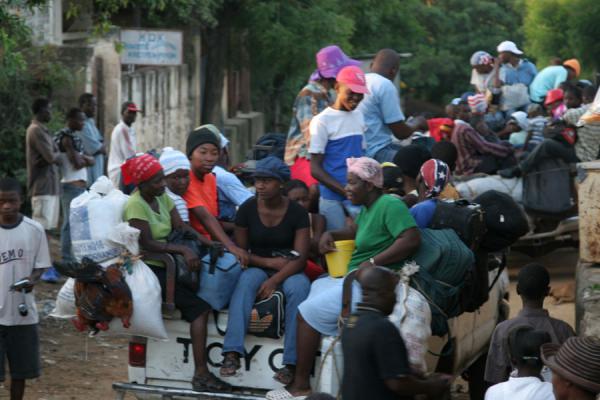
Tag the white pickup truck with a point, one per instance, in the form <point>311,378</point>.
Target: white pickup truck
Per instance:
<point>164,369</point>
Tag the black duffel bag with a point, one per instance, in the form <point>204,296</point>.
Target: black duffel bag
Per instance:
<point>505,220</point>
<point>465,218</point>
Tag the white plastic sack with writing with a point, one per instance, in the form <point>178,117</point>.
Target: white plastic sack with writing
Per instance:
<point>92,217</point>
<point>412,317</point>
<point>65,301</point>
<point>147,301</point>
<point>474,187</point>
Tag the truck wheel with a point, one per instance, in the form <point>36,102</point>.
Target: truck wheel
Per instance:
<point>474,375</point>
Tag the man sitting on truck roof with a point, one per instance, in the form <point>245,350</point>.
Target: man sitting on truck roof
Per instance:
<point>375,357</point>
<point>533,287</point>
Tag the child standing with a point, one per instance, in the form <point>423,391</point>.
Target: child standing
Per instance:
<point>23,255</point>
<point>524,343</point>
<point>336,134</point>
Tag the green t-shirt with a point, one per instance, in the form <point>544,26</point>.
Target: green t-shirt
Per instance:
<point>160,223</point>
<point>378,227</point>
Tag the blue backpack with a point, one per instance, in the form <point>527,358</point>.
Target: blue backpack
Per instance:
<point>218,278</point>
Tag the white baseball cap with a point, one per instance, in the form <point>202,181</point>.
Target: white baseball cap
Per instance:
<point>509,46</point>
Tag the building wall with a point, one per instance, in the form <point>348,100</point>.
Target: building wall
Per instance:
<point>166,98</point>
<point>45,22</point>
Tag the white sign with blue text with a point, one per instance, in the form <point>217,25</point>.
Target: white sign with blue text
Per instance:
<point>142,47</point>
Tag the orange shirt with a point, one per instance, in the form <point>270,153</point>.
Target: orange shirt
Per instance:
<point>202,193</point>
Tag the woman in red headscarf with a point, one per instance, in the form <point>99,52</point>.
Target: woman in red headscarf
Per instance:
<point>152,211</point>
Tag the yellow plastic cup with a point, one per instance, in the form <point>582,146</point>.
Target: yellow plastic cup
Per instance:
<point>337,261</point>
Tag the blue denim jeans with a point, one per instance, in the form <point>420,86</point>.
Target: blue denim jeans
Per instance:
<point>388,153</point>
<point>335,212</point>
<point>295,288</point>
<point>69,192</point>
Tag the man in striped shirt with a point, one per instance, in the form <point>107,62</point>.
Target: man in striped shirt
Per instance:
<point>475,154</point>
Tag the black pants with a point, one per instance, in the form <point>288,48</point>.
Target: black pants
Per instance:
<point>491,164</point>
<point>186,301</point>
<point>549,148</point>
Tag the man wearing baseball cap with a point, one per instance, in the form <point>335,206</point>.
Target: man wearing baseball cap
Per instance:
<point>381,108</point>
<point>575,368</point>
<point>123,143</point>
<point>551,77</point>
<point>313,98</point>
<point>511,69</point>
<point>336,134</point>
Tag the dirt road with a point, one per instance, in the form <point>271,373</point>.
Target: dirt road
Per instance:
<point>80,368</point>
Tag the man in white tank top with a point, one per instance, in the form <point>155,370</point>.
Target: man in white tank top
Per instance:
<point>74,177</point>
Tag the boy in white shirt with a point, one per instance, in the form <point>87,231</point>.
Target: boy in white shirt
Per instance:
<point>23,255</point>
<point>526,383</point>
<point>336,134</point>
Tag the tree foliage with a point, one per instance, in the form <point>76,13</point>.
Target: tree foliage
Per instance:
<point>565,29</point>
<point>26,72</point>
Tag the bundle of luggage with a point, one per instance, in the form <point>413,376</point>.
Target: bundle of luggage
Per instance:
<point>454,253</point>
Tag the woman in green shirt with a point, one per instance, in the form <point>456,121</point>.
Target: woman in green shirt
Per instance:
<point>385,234</point>
<point>153,213</point>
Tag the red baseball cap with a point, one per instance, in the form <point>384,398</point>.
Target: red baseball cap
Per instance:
<point>354,78</point>
<point>553,95</point>
<point>129,106</point>
<point>133,107</point>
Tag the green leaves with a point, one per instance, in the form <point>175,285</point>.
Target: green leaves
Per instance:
<point>565,29</point>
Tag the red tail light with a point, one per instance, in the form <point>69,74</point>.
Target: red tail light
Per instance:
<point>137,354</point>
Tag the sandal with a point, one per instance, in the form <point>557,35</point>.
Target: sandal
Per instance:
<point>285,375</point>
<point>283,394</point>
<point>231,363</point>
<point>210,383</point>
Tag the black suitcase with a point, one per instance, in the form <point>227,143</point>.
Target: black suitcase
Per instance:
<point>466,219</point>
<point>547,188</point>
<point>504,218</point>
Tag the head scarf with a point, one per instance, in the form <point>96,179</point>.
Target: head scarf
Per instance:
<point>435,174</point>
<point>172,160</point>
<point>366,169</point>
<point>140,169</point>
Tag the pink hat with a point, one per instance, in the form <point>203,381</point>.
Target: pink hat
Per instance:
<point>330,60</point>
<point>354,78</point>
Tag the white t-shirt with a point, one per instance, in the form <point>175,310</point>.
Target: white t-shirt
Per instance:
<point>337,135</point>
<point>123,145</point>
<point>180,204</point>
<point>69,172</point>
<point>22,248</point>
<point>529,388</point>
<point>482,81</point>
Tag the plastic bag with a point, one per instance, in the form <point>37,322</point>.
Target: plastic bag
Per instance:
<point>147,316</point>
<point>412,317</point>
<point>65,301</point>
<point>474,187</point>
<point>93,216</point>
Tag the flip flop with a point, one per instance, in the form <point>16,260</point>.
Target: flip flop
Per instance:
<point>282,394</point>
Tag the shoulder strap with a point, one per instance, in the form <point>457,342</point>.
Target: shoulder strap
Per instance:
<point>347,294</point>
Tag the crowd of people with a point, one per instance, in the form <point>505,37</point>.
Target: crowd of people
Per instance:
<point>355,168</point>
